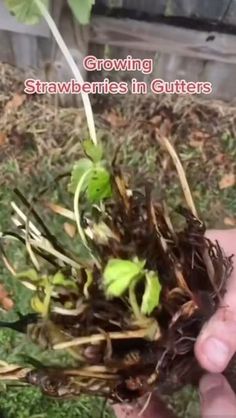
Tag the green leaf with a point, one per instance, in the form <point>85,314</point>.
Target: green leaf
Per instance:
<point>119,274</point>
<point>37,305</point>
<point>30,275</point>
<point>95,152</point>
<point>60,280</point>
<point>82,10</point>
<point>99,185</point>
<point>25,11</point>
<point>78,171</point>
<point>152,292</point>
<point>40,306</point>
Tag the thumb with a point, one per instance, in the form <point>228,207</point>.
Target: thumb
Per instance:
<point>216,343</point>
<point>217,397</point>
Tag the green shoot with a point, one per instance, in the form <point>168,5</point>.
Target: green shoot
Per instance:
<point>96,181</point>
<point>133,301</point>
<point>119,274</point>
<point>122,275</point>
<point>78,191</point>
<point>151,294</point>
<point>94,152</point>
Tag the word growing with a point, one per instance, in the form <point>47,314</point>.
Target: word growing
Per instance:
<point>91,63</point>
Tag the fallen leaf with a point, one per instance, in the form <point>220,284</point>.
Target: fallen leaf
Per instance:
<point>79,120</point>
<point>5,301</point>
<point>228,221</point>
<point>156,120</point>
<point>198,139</point>
<point>70,229</point>
<point>7,304</point>
<point>228,180</point>
<point>60,210</point>
<point>220,158</point>
<point>3,138</point>
<point>200,135</point>
<point>165,128</point>
<point>114,119</point>
<point>16,101</point>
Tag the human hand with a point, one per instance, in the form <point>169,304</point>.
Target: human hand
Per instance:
<point>217,344</point>
<point>217,399</point>
<point>155,408</point>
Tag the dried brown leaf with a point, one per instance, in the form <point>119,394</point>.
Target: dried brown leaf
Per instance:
<point>5,300</point>
<point>165,128</point>
<point>70,229</point>
<point>3,138</point>
<point>198,139</point>
<point>60,210</point>
<point>156,120</point>
<point>7,304</point>
<point>220,158</point>
<point>230,221</point>
<point>16,101</point>
<point>228,180</point>
<point>115,120</point>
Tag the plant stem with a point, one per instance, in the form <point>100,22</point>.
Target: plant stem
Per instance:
<point>181,173</point>
<point>190,202</point>
<point>76,205</point>
<point>47,299</point>
<point>133,301</point>
<point>140,333</point>
<point>71,62</point>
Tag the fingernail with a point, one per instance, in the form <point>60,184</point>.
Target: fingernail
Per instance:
<point>217,352</point>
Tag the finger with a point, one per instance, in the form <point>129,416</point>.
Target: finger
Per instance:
<point>156,408</point>
<point>216,343</point>
<point>217,398</point>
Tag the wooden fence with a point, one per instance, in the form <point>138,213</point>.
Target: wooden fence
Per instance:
<point>188,39</point>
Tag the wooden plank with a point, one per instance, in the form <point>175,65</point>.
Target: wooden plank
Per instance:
<point>172,66</point>
<point>98,50</point>
<point>223,79</point>
<point>230,16</point>
<point>121,53</point>
<point>210,9</point>
<point>147,6</point>
<point>6,52</point>
<point>161,37</point>
<point>25,50</point>
<point>9,23</point>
